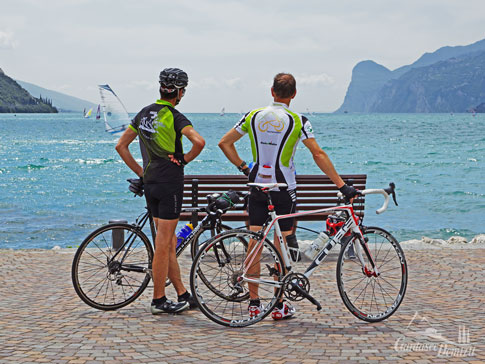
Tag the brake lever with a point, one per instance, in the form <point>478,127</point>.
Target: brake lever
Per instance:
<point>391,191</point>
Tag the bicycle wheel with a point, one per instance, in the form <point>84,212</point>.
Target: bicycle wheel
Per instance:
<point>215,277</point>
<point>109,278</point>
<point>371,297</point>
<point>203,236</point>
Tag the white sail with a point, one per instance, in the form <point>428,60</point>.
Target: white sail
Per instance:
<point>116,118</point>
<point>223,111</point>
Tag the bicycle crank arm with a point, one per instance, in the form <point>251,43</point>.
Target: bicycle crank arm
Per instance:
<point>303,293</point>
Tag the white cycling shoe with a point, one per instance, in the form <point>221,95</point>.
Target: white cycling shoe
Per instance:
<point>283,313</point>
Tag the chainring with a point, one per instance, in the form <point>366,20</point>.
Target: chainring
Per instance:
<point>301,280</point>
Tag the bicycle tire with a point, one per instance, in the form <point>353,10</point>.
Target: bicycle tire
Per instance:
<point>391,264</point>
<point>196,243</point>
<point>226,304</point>
<point>107,285</point>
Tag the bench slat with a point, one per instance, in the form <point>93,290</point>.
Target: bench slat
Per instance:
<point>313,192</point>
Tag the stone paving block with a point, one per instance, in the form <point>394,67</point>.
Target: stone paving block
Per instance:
<point>447,291</point>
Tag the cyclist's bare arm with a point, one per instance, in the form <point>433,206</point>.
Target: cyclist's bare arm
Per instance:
<point>122,149</point>
<point>323,161</point>
<point>227,146</point>
<point>197,141</point>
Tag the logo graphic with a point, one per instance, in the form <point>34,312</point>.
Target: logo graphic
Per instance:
<point>271,121</point>
<point>422,336</point>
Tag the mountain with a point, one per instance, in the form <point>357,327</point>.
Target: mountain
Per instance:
<point>480,108</point>
<point>62,101</point>
<point>454,85</point>
<point>14,99</point>
<point>368,78</point>
<point>367,81</point>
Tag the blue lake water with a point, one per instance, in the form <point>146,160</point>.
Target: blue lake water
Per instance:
<point>60,176</point>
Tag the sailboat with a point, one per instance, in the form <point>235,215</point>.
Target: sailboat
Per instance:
<point>88,114</point>
<point>98,112</point>
<point>223,112</point>
<point>116,118</point>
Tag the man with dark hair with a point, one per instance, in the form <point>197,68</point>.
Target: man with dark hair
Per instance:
<point>160,128</point>
<point>275,131</point>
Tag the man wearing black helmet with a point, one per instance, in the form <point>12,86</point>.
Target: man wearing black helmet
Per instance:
<point>160,128</point>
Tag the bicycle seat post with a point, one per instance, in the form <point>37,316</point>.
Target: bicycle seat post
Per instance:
<point>268,196</point>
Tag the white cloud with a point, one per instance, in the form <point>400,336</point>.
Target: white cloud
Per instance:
<point>230,49</point>
<point>146,85</point>
<point>320,79</point>
<point>234,82</point>
<point>7,40</point>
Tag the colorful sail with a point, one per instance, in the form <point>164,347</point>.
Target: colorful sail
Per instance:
<point>98,113</point>
<point>88,114</point>
<point>116,118</point>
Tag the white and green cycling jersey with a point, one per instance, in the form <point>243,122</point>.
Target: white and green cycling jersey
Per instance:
<point>274,131</point>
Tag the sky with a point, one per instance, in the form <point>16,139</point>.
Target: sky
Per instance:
<point>231,50</point>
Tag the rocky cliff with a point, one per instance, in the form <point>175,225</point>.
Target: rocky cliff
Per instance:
<point>371,83</point>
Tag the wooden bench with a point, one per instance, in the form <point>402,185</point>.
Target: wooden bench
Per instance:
<point>313,192</point>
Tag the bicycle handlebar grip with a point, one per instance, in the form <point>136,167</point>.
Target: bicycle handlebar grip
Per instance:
<point>379,191</point>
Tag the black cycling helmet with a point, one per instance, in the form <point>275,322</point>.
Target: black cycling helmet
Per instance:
<point>173,78</point>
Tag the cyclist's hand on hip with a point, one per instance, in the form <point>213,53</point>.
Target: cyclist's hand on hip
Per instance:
<point>178,159</point>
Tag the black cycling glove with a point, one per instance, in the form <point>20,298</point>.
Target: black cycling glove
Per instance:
<point>180,158</point>
<point>246,171</point>
<point>136,186</point>
<point>349,191</point>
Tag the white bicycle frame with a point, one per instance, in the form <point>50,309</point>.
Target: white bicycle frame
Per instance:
<point>351,223</point>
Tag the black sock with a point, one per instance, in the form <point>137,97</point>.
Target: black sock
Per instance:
<point>184,297</point>
<point>279,305</point>
<point>255,302</point>
<point>159,301</point>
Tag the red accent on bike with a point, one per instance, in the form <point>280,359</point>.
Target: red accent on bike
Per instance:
<point>265,166</point>
<point>270,207</point>
<point>334,224</point>
<point>369,273</point>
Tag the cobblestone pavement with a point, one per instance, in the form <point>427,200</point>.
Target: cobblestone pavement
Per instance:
<point>43,320</point>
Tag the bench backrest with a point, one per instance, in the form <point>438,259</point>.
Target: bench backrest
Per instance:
<point>313,192</point>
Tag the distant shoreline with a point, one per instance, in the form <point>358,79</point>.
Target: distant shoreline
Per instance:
<point>478,242</point>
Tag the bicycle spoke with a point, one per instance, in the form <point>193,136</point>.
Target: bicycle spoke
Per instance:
<point>216,278</point>
<point>379,296</point>
<point>118,281</point>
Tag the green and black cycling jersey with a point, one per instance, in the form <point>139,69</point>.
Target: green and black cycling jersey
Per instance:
<point>159,127</point>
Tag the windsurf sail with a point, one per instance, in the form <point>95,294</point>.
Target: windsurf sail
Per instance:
<point>223,112</point>
<point>88,114</point>
<point>98,113</point>
<point>116,118</point>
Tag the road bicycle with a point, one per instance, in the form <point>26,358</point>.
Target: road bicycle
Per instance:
<point>371,267</point>
<point>112,266</point>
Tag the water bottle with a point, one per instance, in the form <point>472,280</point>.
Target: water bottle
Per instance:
<point>317,245</point>
<point>184,233</point>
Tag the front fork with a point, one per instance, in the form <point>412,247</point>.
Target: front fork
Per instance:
<point>357,236</point>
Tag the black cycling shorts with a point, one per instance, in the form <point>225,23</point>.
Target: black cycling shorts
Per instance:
<point>164,199</point>
<point>283,201</point>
